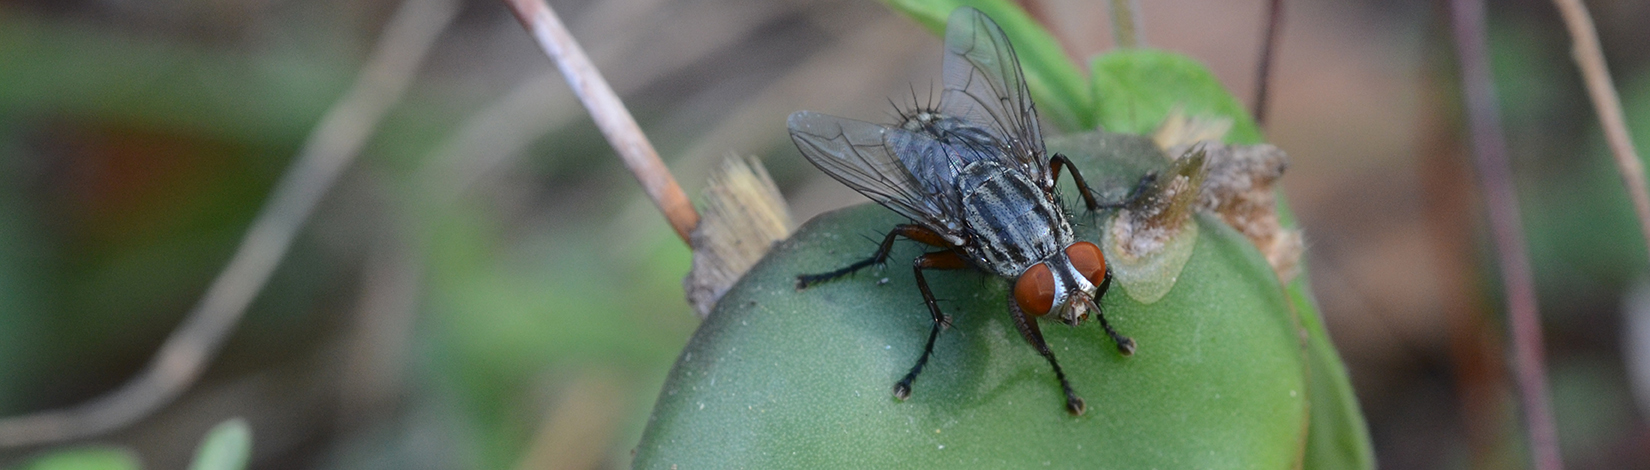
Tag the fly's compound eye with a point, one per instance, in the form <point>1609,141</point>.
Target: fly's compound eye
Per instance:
<point>1088,260</point>
<point>1034,290</point>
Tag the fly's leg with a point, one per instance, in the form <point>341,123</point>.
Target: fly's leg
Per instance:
<point>1125,344</point>
<point>1034,335</point>
<point>1058,161</point>
<point>1139,190</point>
<point>911,231</point>
<point>935,260</point>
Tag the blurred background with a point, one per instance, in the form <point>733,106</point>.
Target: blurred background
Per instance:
<point>486,287</point>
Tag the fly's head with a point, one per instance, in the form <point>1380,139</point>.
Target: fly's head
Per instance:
<point>1064,284</point>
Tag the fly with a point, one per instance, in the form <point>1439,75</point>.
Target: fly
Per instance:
<point>972,175</point>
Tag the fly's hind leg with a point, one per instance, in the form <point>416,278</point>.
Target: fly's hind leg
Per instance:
<point>1034,335</point>
<point>911,231</point>
<point>935,260</point>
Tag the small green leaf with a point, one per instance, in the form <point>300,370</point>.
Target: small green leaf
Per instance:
<point>226,447</point>
<point>1057,86</point>
<point>1134,90</point>
<point>85,458</point>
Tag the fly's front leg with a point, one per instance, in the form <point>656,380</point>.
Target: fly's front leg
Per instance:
<point>935,260</point>
<point>1125,344</point>
<point>1139,190</point>
<point>1034,335</point>
<point>910,231</point>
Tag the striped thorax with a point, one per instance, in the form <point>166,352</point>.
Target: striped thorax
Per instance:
<point>1013,225</point>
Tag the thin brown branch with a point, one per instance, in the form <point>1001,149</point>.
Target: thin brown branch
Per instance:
<point>609,113</point>
<point>1590,58</point>
<point>1263,71</point>
<point>1495,177</point>
<point>330,148</point>
<point>1125,23</point>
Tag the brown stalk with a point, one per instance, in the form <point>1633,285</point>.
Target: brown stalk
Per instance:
<point>1125,23</point>
<point>331,147</point>
<point>1263,71</point>
<point>609,113</point>
<point>1590,59</point>
<point>1495,178</point>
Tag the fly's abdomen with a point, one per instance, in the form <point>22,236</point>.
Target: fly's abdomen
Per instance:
<point>1014,225</point>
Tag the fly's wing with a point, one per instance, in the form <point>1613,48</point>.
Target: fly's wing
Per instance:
<point>856,153</point>
<point>984,87</point>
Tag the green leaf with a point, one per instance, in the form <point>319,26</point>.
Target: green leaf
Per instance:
<point>85,458</point>
<point>781,378</point>
<point>1057,86</point>
<point>1134,90</point>
<point>226,447</point>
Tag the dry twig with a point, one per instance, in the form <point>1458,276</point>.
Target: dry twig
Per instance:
<point>1263,71</point>
<point>609,113</point>
<point>1590,58</point>
<point>330,148</point>
<point>1495,177</point>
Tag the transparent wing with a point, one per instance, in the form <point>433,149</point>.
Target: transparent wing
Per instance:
<point>856,153</point>
<point>984,86</point>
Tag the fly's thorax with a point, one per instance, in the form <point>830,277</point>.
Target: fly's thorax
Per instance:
<point>1011,221</point>
<point>946,130</point>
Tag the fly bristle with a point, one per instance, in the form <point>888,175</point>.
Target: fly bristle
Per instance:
<point>904,114</point>
<point>931,104</point>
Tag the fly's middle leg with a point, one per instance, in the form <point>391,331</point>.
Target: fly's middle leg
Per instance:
<point>910,231</point>
<point>1034,335</point>
<point>935,260</point>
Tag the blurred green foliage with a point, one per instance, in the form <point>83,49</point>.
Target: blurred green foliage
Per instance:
<point>228,446</point>
<point>85,458</point>
<point>133,166</point>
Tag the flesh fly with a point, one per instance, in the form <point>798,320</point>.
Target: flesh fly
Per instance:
<point>972,175</point>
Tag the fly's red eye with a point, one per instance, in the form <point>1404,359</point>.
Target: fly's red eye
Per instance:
<point>1034,291</point>
<point>1088,260</point>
